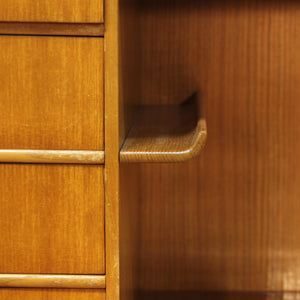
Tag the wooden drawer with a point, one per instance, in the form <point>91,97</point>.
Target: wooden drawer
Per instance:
<point>67,11</point>
<point>51,91</point>
<point>51,294</point>
<point>51,219</point>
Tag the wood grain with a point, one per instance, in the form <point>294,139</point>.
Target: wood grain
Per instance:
<point>51,294</point>
<point>52,281</point>
<point>52,157</point>
<point>78,11</point>
<point>51,219</point>
<point>63,29</point>
<point>129,79</point>
<point>196,295</point>
<point>165,133</point>
<point>51,93</point>
<point>112,146</point>
<point>228,220</point>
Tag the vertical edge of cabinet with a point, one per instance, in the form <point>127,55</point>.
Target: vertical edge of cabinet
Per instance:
<point>121,33</point>
<point>111,96</point>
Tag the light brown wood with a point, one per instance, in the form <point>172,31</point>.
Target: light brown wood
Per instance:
<point>67,11</point>
<point>228,219</point>
<point>51,93</point>
<point>52,219</point>
<point>112,149</point>
<point>52,281</point>
<point>52,157</point>
<point>166,133</point>
<point>77,29</point>
<point>51,294</point>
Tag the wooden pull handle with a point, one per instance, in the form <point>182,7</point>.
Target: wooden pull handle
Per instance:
<point>52,281</point>
<point>166,133</point>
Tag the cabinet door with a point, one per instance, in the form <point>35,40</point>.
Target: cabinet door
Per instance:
<point>51,219</point>
<point>51,93</point>
<point>67,11</point>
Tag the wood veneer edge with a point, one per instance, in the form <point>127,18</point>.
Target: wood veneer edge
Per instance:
<point>111,56</point>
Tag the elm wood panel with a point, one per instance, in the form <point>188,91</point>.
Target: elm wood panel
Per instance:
<point>52,281</point>
<point>166,133</point>
<point>51,294</point>
<point>228,220</point>
<point>51,91</point>
<point>52,219</point>
<point>67,11</point>
<point>30,28</point>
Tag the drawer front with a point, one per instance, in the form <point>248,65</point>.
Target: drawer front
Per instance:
<point>51,91</point>
<point>51,294</point>
<point>67,11</point>
<point>51,219</point>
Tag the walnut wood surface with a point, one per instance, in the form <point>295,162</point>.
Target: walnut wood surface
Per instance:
<point>166,133</point>
<point>64,29</point>
<point>51,294</point>
<point>228,219</point>
<point>51,219</point>
<point>51,93</point>
<point>52,157</point>
<point>52,281</point>
<point>78,11</point>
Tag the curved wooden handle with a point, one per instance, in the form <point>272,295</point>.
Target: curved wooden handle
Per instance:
<point>53,281</point>
<point>166,133</point>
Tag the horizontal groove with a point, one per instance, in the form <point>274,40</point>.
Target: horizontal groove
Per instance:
<point>52,29</point>
<point>52,157</point>
<point>53,281</point>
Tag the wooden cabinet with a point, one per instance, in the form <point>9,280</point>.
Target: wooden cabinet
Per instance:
<point>67,11</point>
<point>86,106</point>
